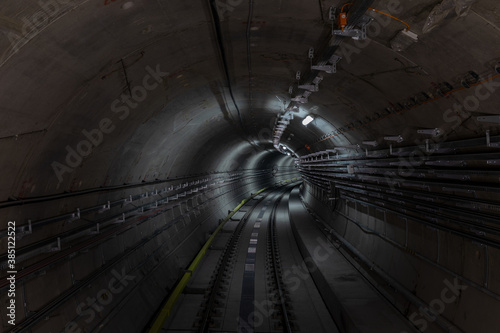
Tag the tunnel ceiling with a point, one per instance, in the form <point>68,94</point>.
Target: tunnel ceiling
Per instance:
<point>209,84</point>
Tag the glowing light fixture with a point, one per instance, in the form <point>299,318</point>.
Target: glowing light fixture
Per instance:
<point>307,120</point>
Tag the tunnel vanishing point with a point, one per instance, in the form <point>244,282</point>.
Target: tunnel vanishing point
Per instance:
<point>250,166</point>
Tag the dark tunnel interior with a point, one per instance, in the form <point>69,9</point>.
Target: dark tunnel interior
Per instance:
<point>250,166</point>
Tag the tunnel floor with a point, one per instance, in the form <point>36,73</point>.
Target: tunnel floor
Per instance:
<point>273,269</point>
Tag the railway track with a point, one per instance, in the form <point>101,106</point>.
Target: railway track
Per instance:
<point>218,292</point>
<point>243,245</point>
<point>278,287</point>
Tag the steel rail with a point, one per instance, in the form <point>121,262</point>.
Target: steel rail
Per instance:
<point>276,266</point>
<point>224,261</point>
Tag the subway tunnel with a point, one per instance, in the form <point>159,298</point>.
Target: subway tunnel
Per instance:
<point>250,166</point>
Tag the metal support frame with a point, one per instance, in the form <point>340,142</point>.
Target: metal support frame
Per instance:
<point>358,33</point>
<point>74,216</point>
<point>330,69</point>
<point>431,131</point>
<point>397,138</point>
<point>105,207</point>
<point>57,247</point>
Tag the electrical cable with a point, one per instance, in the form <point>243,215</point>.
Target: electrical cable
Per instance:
<point>218,32</point>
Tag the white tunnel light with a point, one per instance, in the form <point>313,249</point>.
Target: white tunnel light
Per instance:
<point>307,120</point>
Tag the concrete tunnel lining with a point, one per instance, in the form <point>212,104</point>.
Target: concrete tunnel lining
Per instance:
<point>151,120</point>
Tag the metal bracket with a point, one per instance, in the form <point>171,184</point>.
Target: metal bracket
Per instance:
<point>488,140</point>
<point>427,145</point>
<point>317,80</point>
<point>300,99</point>
<point>370,143</point>
<point>334,59</point>
<point>397,138</point>
<point>127,201</point>
<point>96,231</point>
<point>58,246</point>
<point>349,147</point>
<point>105,208</point>
<point>434,132</point>
<point>309,87</point>
<point>121,219</point>
<point>325,68</point>
<point>24,230</point>
<point>489,119</point>
<point>357,34</point>
<point>74,216</point>
<point>330,69</point>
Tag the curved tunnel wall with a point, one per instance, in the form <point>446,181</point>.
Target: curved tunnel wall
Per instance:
<point>120,250</point>
<point>406,232</point>
<point>138,95</point>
